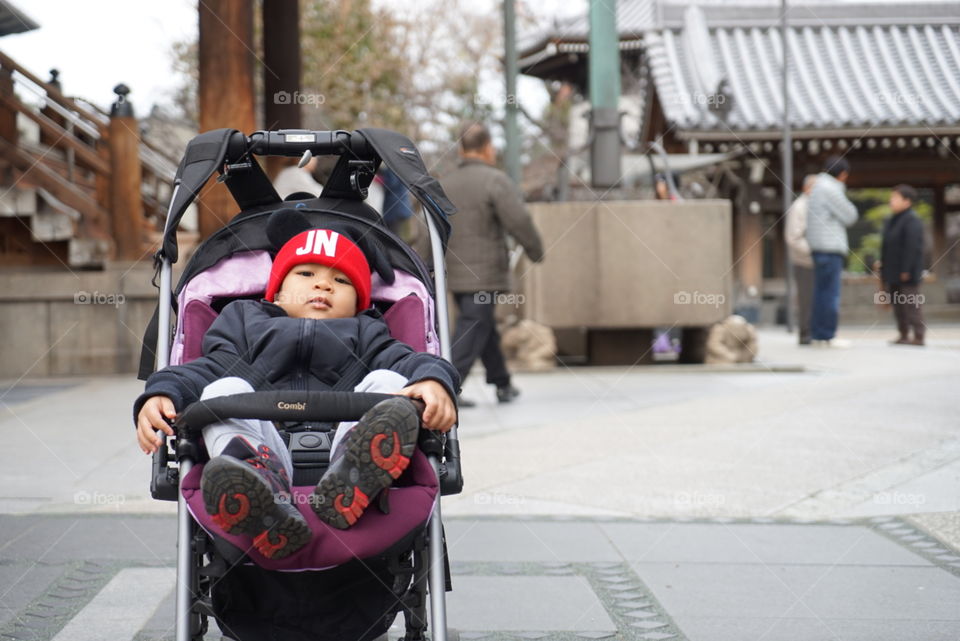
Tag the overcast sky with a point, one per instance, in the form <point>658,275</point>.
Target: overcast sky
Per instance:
<point>100,43</point>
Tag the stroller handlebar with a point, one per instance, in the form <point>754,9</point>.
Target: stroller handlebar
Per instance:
<point>280,405</point>
<point>294,142</point>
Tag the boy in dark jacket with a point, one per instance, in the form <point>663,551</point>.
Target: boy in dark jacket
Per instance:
<point>313,324</point>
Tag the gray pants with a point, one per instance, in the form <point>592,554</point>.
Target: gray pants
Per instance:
<point>217,435</point>
<point>907,302</point>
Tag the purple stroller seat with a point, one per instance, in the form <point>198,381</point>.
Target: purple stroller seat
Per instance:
<point>409,319</point>
<point>411,503</point>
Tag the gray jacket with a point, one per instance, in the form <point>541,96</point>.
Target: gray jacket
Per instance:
<point>489,207</point>
<point>829,213</point>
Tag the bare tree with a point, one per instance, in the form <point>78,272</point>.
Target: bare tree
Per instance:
<point>417,70</point>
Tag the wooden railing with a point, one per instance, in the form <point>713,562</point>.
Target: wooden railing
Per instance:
<point>90,161</point>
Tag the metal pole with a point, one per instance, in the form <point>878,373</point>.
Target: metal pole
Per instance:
<point>440,287</point>
<point>604,94</point>
<point>438,602</point>
<point>185,569</point>
<point>787,158</point>
<point>435,576</point>
<point>512,156</point>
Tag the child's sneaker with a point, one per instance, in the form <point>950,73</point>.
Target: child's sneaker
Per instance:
<point>247,491</point>
<point>374,453</point>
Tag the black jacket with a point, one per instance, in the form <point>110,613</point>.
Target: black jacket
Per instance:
<point>902,248</point>
<point>295,353</point>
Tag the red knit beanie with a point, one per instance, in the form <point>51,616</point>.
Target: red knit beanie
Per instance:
<point>323,247</point>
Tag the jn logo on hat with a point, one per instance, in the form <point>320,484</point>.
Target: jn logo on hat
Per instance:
<point>321,242</point>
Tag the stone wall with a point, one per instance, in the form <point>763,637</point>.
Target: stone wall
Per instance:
<point>63,323</point>
<point>631,264</point>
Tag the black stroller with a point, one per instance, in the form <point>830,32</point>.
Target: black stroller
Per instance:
<point>362,577</point>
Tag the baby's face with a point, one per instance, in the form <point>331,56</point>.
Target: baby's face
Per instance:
<point>317,291</point>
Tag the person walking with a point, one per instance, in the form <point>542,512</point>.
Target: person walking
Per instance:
<point>489,207</point>
<point>901,265</point>
<point>801,260</point>
<point>829,213</point>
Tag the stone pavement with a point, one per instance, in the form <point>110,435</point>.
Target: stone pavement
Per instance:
<point>767,502</point>
<point>79,577</point>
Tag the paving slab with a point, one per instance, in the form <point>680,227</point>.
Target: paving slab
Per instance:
<point>698,596</point>
<point>477,540</point>
<point>791,629</point>
<point>21,583</point>
<point>528,603</point>
<point>71,538</point>
<point>760,543</point>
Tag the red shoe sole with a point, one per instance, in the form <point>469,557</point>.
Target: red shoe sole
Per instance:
<point>377,451</point>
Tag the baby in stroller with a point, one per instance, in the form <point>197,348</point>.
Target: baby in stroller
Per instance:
<point>314,324</point>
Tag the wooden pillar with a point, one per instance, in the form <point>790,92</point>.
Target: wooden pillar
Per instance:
<point>750,250</point>
<point>48,111</point>
<point>282,70</point>
<point>748,246</point>
<point>225,91</point>
<point>126,204</point>
<point>939,226</point>
<point>8,117</point>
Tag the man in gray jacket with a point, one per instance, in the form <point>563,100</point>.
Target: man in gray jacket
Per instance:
<point>489,207</point>
<point>829,213</point>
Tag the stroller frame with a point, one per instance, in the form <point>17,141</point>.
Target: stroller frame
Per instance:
<point>360,154</point>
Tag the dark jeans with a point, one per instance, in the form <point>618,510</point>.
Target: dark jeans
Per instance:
<point>826,295</point>
<point>804,279</point>
<point>476,335</point>
<point>907,301</point>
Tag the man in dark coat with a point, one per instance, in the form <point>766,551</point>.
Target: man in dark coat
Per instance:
<point>489,207</point>
<point>901,264</point>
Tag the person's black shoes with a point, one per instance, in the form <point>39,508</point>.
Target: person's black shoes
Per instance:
<point>247,491</point>
<point>506,393</point>
<point>372,455</point>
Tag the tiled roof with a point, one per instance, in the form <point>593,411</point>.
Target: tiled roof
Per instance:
<point>12,20</point>
<point>840,77</point>
<point>632,19</point>
<point>853,66</point>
